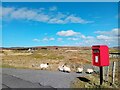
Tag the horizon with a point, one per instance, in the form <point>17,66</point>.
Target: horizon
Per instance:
<point>52,46</point>
<point>27,24</point>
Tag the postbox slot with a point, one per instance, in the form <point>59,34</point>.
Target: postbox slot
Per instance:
<point>96,51</point>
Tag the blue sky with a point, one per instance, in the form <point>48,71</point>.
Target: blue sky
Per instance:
<point>59,24</point>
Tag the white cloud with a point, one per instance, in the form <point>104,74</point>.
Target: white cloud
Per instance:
<point>86,37</point>
<point>51,39</point>
<point>48,39</point>
<point>67,33</point>
<point>100,32</point>
<point>68,19</point>
<point>45,39</point>
<point>103,37</point>
<point>7,11</point>
<point>56,20</point>
<point>74,19</point>
<point>74,39</point>
<point>113,32</point>
<point>108,37</point>
<point>41,15</point>
<point>59,39</point>
<point>36,40</point>
<point>53,8</point>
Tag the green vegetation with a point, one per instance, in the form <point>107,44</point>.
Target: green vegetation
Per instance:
<point>46,56</point>
<point>114,50</point>
<point>91,81</point>
<point>10,66</point>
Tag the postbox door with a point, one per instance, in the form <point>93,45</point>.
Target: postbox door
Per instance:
<point>96,57</point>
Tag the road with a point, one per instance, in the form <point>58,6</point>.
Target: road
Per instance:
<point>26,78</point>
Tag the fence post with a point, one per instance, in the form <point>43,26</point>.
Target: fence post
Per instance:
<point>107,73</point>
<point>113,72</point>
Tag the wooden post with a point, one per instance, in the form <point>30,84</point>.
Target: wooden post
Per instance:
<point>101,75</point>
<point>107,73</point>
<point>113,72</point>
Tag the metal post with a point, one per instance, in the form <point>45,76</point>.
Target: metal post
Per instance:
<point>101,75</point>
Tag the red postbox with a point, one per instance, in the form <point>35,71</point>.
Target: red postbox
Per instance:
<point>100,55</point>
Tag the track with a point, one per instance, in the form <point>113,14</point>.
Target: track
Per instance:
<point>25,78</point>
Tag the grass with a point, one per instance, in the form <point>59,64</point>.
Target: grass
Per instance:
<point>9,66</point>
<point>24,60</point>
<point>91,81</point>
<point>50,56</point>
<point>113,50</point>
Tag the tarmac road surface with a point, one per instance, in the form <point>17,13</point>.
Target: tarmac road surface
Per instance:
<point>26,78</point>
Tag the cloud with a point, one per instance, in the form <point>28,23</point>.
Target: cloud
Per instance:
<point>41,15</point>
<point>103,37</point>
<point>59,39</point>
<point>111,35</point>
<point>7,11</point>
<point>74,19</point>
<point>36,40</point>
<point>86,37</point>
<point>29,15</point>
<point>48,39</point>
<point>95,41</point>
<point>45,39</point>
<point>69,19</point>
<point>113,32</point>
<point>51,39</point>
<point>56,20</point>
<point>108,37</point>
<point>74,39</point>
<point>67,33</point>
<point>53,8</point>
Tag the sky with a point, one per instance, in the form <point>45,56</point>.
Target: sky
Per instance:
<point>28,24</point>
